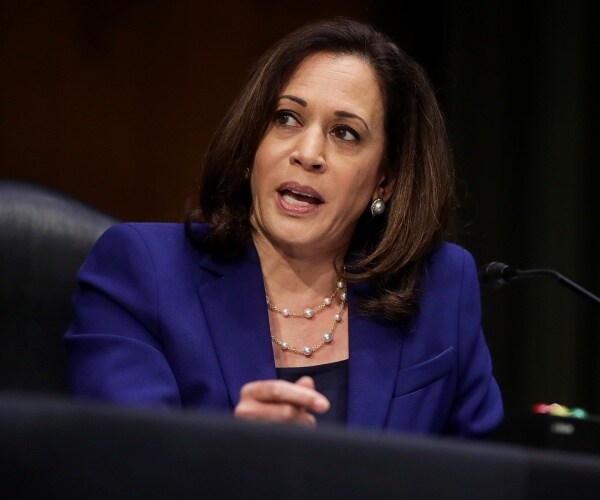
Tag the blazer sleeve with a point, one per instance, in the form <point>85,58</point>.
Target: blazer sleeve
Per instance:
<point>477,407</point>
<point>113,343</point>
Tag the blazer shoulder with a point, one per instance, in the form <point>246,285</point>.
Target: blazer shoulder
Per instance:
<point>149,230</point>
<point>451,254</point>
<point>170,250</point>
<point>138,245</point>
<point>450,261</point>
<point>157,237</point>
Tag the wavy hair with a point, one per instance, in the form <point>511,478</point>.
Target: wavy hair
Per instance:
<point>387,251</point>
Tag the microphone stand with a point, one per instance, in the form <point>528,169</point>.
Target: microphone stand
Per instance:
<point>530,273</point>
<point>497,274</point>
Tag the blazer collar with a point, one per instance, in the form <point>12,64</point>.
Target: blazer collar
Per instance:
<point>237,319</point>
<point>375,349</point>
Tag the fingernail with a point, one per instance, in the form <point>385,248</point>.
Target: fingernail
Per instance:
<point>321,404</point>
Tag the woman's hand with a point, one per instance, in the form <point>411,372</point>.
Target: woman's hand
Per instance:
<point>281,401</point>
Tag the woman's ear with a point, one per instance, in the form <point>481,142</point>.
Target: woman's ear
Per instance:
<point>383,189</point>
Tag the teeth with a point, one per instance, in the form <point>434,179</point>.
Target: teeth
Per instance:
<point>302,194</point>
<point>295,201</point>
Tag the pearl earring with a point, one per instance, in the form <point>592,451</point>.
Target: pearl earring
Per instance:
<point>247,173</point>
<point>377,207</point>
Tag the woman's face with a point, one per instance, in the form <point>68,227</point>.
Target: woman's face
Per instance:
<point>319,164</point>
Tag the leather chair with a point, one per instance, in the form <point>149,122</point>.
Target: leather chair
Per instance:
<point>44,237</point>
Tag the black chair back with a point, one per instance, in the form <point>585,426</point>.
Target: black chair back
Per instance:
<point>44,237</point>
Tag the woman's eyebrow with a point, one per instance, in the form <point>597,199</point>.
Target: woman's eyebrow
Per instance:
<point>340,114</point>
<point>294,98</point>
<point>347,114</point>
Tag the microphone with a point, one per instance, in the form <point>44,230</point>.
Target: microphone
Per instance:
<point>498,274</point>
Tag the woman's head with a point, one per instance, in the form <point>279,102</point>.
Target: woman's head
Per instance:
<point>319,163</point>
<point>415,157</point>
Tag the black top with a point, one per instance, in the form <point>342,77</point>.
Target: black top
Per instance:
<point>331,380</point>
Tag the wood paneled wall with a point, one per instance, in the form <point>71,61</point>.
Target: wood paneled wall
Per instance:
<point>114,102</point>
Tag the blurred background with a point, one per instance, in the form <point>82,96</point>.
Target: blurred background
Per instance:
<point>114,102</point>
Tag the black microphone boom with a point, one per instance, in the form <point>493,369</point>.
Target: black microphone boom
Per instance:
<point>497,274</point>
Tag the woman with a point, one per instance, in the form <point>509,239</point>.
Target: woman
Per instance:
<point>327,189</point>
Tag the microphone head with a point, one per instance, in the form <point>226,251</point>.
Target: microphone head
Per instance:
<point>496,274</point>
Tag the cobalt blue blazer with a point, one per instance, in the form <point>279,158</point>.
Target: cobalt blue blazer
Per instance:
<point>158,323</point>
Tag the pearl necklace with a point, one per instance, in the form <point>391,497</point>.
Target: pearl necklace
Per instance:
<point>308,313</point>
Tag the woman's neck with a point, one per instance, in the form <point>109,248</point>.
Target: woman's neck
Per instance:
<point>296,277</point>
<point>296,283</point>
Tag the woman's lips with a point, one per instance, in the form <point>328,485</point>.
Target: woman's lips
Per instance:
<point>298,198</point>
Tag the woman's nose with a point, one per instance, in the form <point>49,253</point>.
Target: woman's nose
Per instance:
<point>309,150</point>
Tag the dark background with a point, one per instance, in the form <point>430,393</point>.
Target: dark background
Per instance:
<point>114,101</point>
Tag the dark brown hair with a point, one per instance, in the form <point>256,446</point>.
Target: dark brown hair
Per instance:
<point>389,250</point>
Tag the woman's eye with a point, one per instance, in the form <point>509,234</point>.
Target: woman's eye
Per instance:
<point>345,133</point>
<point>285,118</point>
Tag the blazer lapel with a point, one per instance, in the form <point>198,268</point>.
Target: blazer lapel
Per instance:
<point>237,319</point>
<point>375,348</point>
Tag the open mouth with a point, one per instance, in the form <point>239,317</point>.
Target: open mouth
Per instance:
<point>299,198</point>
<point>296,194</point>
